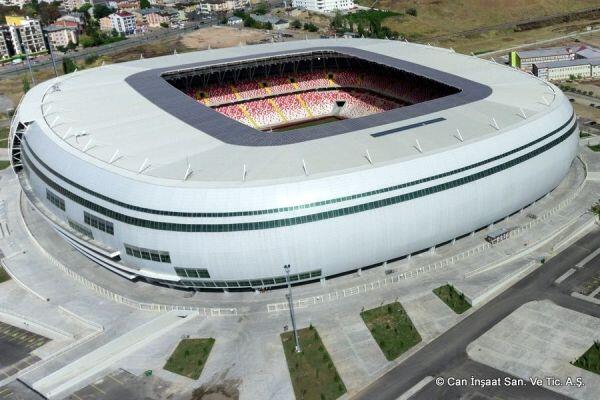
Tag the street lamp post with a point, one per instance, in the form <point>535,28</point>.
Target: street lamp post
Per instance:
<point>51,54</point>
<point>291,304</point>
<point>29,66</point>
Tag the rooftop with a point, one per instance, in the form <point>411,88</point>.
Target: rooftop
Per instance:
<point>569,63</point>
<point>100,112</point>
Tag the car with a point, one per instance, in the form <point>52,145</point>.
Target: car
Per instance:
<point>571,100</point>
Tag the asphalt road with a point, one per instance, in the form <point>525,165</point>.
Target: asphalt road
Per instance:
<point>448,351</point>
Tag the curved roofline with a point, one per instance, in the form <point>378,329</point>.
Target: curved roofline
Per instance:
<point>152,86</point>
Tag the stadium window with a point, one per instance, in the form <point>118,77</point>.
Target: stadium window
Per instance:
<point>80,228</point>
<point>55,200</point>
<point>98,223</point>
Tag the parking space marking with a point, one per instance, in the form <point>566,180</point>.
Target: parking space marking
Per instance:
<point>77,397</point>
<point>97,388</point>
<point>115,379</point>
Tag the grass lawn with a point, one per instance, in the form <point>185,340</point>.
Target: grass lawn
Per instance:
<point>4,164</point>
<point>3,275</point>
<point>312,371</point>
<point>590,360</point>
<point>3,137</point>
<point>189,357</point>
<point>456,301</point>
<point>595,147</point>
<point>392,329</point>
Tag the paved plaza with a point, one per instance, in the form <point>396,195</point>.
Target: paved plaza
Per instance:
<point>540,340</point>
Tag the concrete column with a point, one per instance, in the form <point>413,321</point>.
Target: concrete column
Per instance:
<point>359,271</point>
<point>432,250</point>
<point>322,280</point>
<point>453,241</point>
<point>472,233</point>
<point>408,257</point>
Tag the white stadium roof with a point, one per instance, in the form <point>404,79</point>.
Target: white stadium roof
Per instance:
<point>95,114</point>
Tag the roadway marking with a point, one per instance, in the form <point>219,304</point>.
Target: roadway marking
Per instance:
<point>416,388</point>
<point>564,276</point>
<point>75,395</point>
<point>115,379</point>
<point>4,390</point>
<point>586,260</point>
<point>98,389</point>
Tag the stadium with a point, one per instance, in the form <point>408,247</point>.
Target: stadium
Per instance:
<point>213,169</point>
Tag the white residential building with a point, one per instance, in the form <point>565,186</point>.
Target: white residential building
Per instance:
<point>60,36</point>
<point>22,35</point>
<point>212,6</point>
<point>323,5</point>
<point>123,22</point>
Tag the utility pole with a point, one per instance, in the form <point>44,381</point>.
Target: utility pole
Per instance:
<point>29,66</point>
<point>51,54</point>
<point>291,304</point>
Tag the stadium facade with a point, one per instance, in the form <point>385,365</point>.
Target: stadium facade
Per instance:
<point>152,184</point>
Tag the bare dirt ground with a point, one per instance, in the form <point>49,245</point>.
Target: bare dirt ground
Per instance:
<point>219,37</point>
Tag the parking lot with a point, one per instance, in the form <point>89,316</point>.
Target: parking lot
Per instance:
<point>118,384</point>
<point>15,347</point>
<point>18,391</point>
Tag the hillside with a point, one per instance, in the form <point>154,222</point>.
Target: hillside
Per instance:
<point>440,17</point>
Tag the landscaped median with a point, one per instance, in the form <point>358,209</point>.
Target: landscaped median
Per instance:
<point>189,357</point>
<point>3,275</point>
<point>312,371</point>
<point>455,300</point>
<point>590,360</point>
<point>392,329</point>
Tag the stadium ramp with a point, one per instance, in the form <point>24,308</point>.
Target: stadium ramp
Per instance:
<point>87,368</point>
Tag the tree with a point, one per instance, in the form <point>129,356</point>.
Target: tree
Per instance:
<point>269,26</point>
<point>102,10</point>
<point>71,45</point>
<point>48,12</point>
<point>164,24</point>
<point>262,8</point>
<point>145,4</point>
<point>338,22</point>
<point>296,24</point>
<point>412,11</point>
<point>309,26</point>
<point>26,85</point>
<point>68,65</point>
